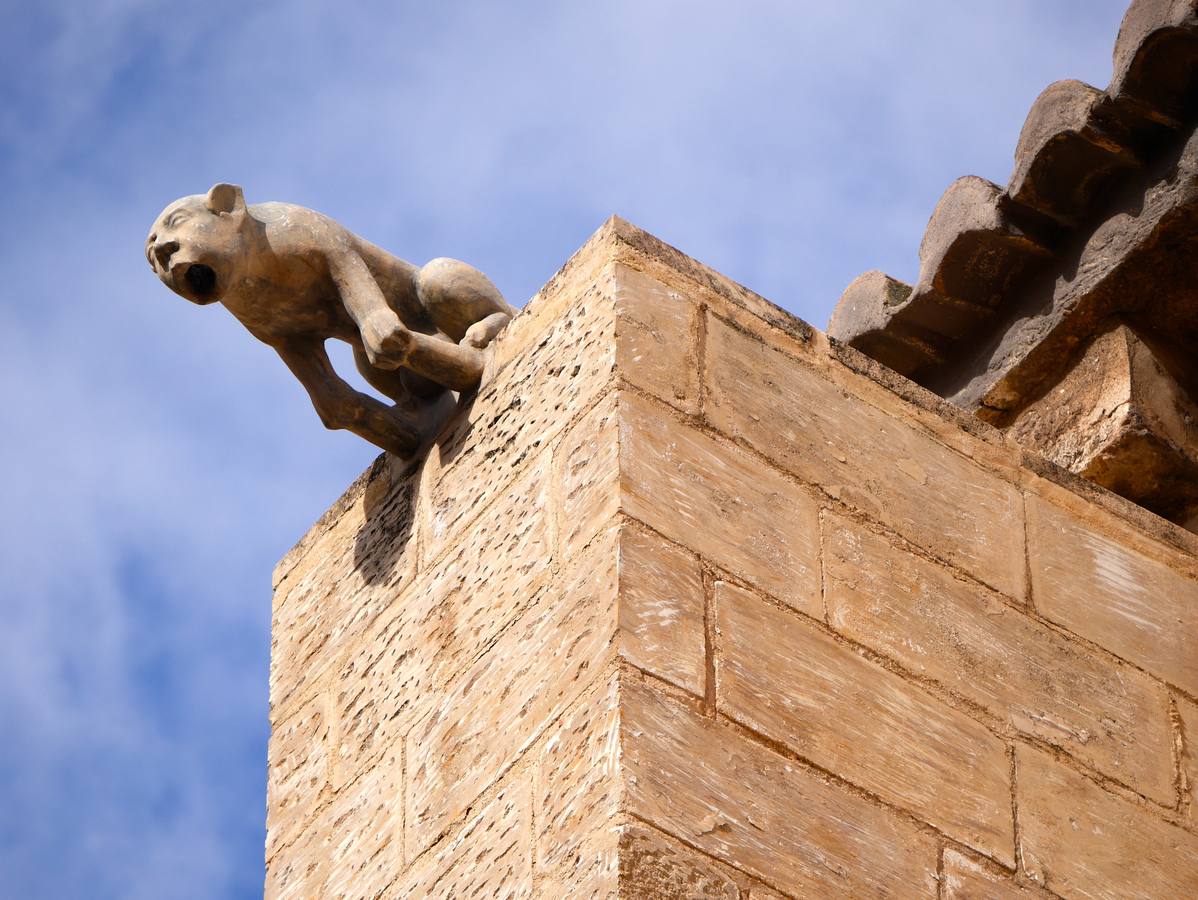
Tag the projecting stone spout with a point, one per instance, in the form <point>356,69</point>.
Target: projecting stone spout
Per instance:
<point>296,278</point>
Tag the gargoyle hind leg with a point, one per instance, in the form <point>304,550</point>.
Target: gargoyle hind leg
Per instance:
<point>395,429</point>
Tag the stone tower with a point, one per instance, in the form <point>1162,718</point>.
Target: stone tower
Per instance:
<point>693,600</point>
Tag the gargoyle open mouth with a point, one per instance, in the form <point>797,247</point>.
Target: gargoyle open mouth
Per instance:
<point>201,279</point>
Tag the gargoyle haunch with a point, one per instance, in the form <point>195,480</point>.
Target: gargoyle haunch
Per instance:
<point>295,278</point>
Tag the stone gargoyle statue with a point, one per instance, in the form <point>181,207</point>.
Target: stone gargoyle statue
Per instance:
<point>295,278</point>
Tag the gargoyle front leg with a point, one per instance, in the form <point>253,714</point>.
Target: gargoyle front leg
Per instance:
<point>481,333</point>
<point>394,429</point>
<point>389,343</point>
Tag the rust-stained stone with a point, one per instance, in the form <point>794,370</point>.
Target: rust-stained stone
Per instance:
<point>795,684</point>
<point>1095,585</point>
<point>745,805</point>
<point>1187,713</point>
<point>966,878</point>
<point>1156,58</point>
<point>870,460</point>
<point>1079,840</point>
<point>1067,154</point>
<point>1026,675</point>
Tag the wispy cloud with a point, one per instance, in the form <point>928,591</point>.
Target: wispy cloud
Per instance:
<point>157,461</point>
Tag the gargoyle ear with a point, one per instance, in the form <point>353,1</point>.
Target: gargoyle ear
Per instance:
<point>226,198</point>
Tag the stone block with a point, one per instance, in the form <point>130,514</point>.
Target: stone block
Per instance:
<point>1096,584</point>
<point>345,577</point>
<point>661,609</point>
<point>657,331</point>
<point>587,475</point>
<point>1119,418</point>
<point>878,463</point>
<point>745,805</point>
<point>966,878</point>
<point>1025,674</point>
<point>491,856</point>
<point>435,630</point>
<point>1077,839</point>
<point>792,682</point>
<point>1187,712</point>
<point>578,793</point>
<point>499,705</point>
<point>298,764</point>
<point>353,849</point>
<point>720,502</point>
<point>518,414</point>
<point>655,867</point>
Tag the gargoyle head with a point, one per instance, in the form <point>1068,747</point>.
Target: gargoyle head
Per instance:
<point>197,242</point>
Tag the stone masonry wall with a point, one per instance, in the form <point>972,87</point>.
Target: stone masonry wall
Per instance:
<point>690,601</point>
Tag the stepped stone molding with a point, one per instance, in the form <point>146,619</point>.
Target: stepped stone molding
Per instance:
<point>1096,227</point>
<point>689,601</point>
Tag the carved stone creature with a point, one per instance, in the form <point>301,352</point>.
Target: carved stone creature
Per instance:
<point>295,278</point>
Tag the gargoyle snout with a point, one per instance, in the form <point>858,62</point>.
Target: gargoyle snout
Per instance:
<point>162,253</point>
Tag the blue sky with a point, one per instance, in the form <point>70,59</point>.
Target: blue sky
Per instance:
<point>156,460</point>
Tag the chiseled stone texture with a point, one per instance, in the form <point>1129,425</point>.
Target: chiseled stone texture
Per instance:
<point>1079,840</point>
<point>798,685</point>
<point>1029,676</point>
<point>1102,587</point>
<point>969,879</point>
<point>688,602</point>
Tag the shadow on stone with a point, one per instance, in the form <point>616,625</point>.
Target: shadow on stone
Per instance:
<point>386,535</point>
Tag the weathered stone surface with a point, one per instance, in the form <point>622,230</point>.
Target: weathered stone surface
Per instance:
<point>579,787</point>
<point>969,879</point>
<point>352,849</point>
<point>971,251</point>
<point>1119,418</point>
<point>867,317</point>
<point>445,621</point>
<point>1098,586</point>
<point>1188,714</point>
<point>743,804</point>
<point>661,609</point>
<point>499,705</point>
<point>878,463</point>
<point>657,338</point>
<point>719,501</point>
<point>518,414</point>
<point>1156,58</point>
<point>298,761</point>
<point>1079,840</point>
<point>1023,673</point>
<point>491,856</point>
<point>1129,265</point>
<point>802,688</point>
<point>587,475</point>
<point>1065,157</point>
<point>342,581</point>
<point>655,867</point>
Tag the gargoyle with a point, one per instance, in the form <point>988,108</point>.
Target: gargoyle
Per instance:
<point>295,278</point>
